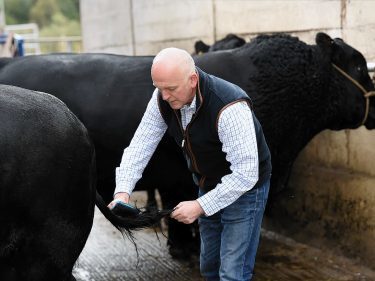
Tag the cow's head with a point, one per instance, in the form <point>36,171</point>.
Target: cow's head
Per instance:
<point>200,47</point>
<point>351,68</point>
<point>229,42</point>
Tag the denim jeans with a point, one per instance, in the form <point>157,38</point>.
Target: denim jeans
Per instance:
<point>230,238</point>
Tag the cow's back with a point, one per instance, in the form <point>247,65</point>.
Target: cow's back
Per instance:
<point>116,96</point>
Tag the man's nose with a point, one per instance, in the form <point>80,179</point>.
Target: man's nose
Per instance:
<point>165,95</point>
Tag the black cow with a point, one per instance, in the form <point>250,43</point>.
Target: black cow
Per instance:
<point>47,188</point>
<point>296,91</point>
<point>229,42</point>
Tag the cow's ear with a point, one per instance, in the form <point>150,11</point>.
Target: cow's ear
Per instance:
<point>324,42</point>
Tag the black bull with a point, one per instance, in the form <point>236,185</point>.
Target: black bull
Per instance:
<point>295,89</point>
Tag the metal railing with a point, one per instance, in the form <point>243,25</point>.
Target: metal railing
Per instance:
<point>371,70</point>
<point>66,44</point>
<point>371,66</point>
<point>35,45</point>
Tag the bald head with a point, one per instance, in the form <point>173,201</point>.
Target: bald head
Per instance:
<point>174,59</point>
<point>173,73</point>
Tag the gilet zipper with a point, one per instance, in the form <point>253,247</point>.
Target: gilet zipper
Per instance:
<point>185,140</point>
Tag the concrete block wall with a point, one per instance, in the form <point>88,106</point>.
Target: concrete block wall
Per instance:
<point>332,194</point>
<point>107,26</point>
<point>359,26</point>
<point>157,23</point>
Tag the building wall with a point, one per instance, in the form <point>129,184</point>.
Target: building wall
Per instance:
<point>331,195</point>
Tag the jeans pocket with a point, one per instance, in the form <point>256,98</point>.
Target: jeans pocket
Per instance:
<point>243,208</point>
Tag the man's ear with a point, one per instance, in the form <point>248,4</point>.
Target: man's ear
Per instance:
<point>193,80</point>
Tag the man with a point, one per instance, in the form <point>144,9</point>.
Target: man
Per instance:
<point>223,143</point>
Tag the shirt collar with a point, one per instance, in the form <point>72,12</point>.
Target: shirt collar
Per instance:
<point>192,105</point>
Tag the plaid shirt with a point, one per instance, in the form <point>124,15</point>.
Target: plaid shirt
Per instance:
<point>236,132</point>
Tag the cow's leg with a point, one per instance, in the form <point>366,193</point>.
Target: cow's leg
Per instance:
<point>279,182</point>
<point>280,176</point>
<point>106,187</point>
<point>48,256</point>
<point>71,278</point>
<point>7,272</point>
<point>106,175</point>
<point>38,253</point>
<point>52,262</point>
<point>180,236</point>
<point>38,272</point>
<point>12,237</point>
<point>151,200</point>
<point>36,266</point>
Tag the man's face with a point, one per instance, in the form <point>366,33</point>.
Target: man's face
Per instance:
<point>175,87</point>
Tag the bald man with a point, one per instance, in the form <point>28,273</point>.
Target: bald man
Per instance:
<point>225,149</point>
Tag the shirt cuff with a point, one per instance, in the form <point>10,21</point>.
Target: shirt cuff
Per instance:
<point>121,185</point>
<point>208,205</point>
<point>121,189</point>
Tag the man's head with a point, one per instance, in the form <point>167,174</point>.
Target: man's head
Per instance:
<point>173,73</point>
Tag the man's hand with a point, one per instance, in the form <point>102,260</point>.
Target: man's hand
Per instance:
<point>123,196</point>
<point>187,211</point>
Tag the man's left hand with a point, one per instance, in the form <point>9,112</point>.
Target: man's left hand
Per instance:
<point>187,211</point>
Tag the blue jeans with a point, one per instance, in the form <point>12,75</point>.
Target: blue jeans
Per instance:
<point>230,238</point>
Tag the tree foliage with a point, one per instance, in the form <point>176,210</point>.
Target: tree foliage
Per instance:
<point>54,17</point>
<point>70,9</point>
<point>43,11</point>
<point>18,11</point>
<point>61,25</point>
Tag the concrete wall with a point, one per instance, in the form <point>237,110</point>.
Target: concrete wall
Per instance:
<point>107,26</point>
<point>331,195</point>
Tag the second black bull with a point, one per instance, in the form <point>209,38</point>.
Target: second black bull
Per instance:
<point>296,90</point>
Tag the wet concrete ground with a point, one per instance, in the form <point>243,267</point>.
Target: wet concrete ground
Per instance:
<point>108,257</point>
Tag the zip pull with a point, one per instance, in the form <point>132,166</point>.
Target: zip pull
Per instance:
<point>183,143</point>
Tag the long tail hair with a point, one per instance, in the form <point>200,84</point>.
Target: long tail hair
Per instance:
<point>147,218</point>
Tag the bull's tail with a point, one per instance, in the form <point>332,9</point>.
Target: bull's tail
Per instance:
<point>144,219</point>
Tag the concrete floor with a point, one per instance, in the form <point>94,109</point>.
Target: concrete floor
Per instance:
<point>108,257</point>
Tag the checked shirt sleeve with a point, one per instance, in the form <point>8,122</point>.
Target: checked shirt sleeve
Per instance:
<point>143,145</point>
<point>237,134</point>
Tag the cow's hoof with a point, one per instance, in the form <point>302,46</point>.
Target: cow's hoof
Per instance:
<point>179,253</point>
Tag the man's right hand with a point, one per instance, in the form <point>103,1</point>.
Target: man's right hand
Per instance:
<point>122,196</point>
